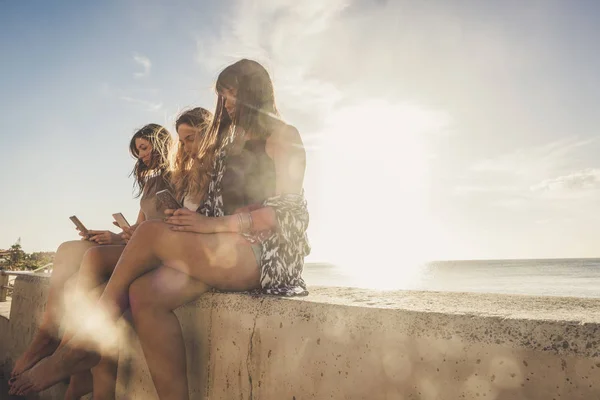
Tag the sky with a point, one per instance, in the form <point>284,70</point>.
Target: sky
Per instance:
<point>434,130</point>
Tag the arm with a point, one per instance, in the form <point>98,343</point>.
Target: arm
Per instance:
<point>262,219</point>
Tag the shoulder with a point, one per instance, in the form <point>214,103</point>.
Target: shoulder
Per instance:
<point>155,183</point>
<point>283,132</point>
<point>284,138</point>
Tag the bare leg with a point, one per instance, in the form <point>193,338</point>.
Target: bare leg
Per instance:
<point>79,386</point>
<point>102,378</point>
<point>66,264</point>
<point>96,268</point>
<point>105,377</point>
<point>105,372</point>
<point>153,298</point>
<point>222,260</point>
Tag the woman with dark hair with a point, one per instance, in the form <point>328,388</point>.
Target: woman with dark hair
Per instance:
<point>150,147</point>
<point>249,234</point>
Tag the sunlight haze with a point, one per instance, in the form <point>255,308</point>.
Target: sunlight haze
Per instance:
<point>434,130</point>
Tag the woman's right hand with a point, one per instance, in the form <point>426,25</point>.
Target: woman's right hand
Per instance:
<point>104,237</point>
<point>128,232</point>
<point>84,236</point>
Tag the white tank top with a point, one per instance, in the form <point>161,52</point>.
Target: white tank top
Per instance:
<point>187,203</point>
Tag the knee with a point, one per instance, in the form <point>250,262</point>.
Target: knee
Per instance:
<point>93,255</point>
<point>69,255</point>
<point>150,228</point>
<point>70,246</point>
<point>149,234</point>
<point>73,248</point>
<point>93,260</point>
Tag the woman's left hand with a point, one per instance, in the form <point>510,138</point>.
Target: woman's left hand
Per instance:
<point>184,220</point>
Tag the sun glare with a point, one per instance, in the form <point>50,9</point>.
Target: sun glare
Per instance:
<point>374,189</point>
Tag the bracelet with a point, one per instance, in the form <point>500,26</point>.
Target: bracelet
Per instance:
<point>250,223</point>
<point>245,222</point>
<point>240,223</point>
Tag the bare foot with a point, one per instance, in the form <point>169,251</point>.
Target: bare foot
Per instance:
<point>53,369</point>
<point>42,345</point>
<point>79,385</point>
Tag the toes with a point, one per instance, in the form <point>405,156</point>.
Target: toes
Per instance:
<point>26,389</point>
<point>17,385</point>
<point>15,372</point>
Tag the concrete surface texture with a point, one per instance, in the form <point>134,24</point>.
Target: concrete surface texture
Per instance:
<point>341,343</point>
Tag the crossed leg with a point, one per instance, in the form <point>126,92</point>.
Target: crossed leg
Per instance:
<point>153,298</point>
<point>96,266</point>
<point>221,260</point>
<point>66,264</point>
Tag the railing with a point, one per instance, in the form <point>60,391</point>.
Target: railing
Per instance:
<point>7,279</point>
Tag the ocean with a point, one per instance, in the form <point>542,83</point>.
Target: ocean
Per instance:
<point>553,277</point>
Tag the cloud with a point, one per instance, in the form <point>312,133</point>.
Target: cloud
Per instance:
<point>145,63</point>
<point>284,36</point>
<point>584,180</point>
<point>145,104</point>
<point>534,161</point>
<point>467,190</point>
<point>133,95</point>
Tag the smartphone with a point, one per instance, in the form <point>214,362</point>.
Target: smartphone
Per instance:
<point>166,200</point>
<point>79,225</point>
<point>120,219</point>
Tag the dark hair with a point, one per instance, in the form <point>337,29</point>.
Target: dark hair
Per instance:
<point>255,98</point>
<point>190,175</point>
<point>161,141</point>
<point>254,112</point>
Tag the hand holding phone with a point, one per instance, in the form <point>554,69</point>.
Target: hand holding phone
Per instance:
<point>128,232</point>
<point>166,200</point>
<point>121,221</point>
<point>80,227</point>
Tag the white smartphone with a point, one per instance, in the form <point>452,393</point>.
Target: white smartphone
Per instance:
<point>121,221</point>
<point>166,200</point>
<point>79,225</point>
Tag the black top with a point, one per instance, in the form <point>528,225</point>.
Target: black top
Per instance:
<point>249,177</point>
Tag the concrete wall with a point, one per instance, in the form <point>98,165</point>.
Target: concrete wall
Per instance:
<point>359,344</point>
<point>28,302</point>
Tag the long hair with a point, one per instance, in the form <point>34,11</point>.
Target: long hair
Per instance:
<point>161,141</point>
<point>255,110</point>
<point>255,107</point>
<point>189,172</point>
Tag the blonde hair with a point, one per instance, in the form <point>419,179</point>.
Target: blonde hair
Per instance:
<point>189,172</point>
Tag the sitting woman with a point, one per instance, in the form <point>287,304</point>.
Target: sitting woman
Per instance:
<point>259,164</point>
<point>149,146</point>
<point>98,264</point>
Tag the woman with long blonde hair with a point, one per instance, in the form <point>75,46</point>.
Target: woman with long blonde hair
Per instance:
<point>189,175</point>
